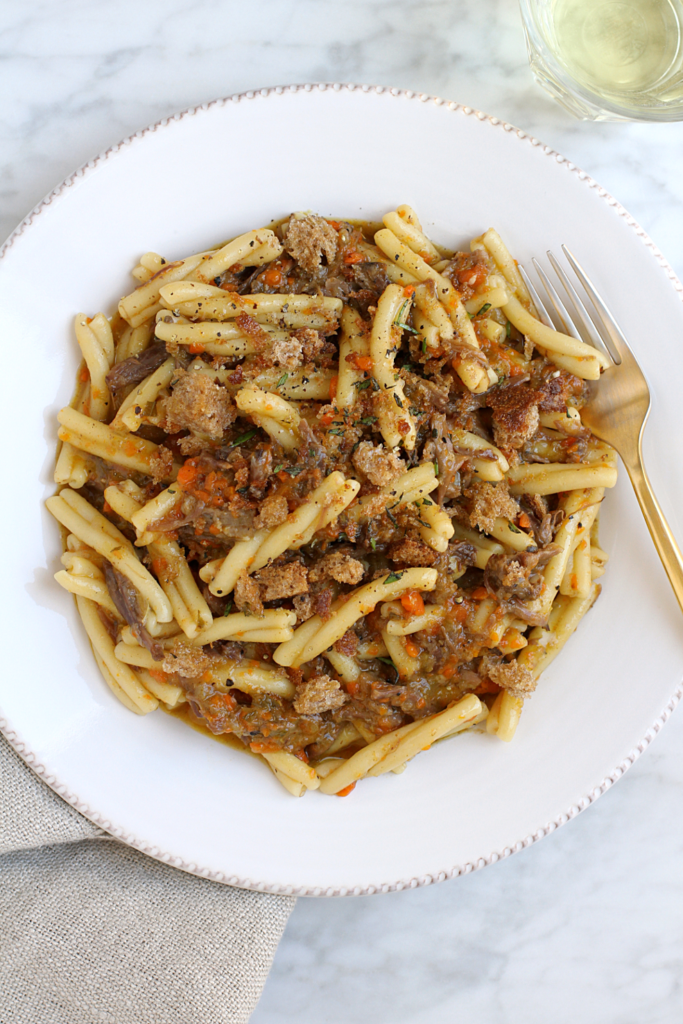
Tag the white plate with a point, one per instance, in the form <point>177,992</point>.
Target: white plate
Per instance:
<point>177,188</point>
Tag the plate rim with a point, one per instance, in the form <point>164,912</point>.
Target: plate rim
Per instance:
<point>116,831</point>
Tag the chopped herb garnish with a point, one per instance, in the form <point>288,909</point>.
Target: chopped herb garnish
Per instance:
<point>399,315</point>
<point>436,469</point>
<point>371,419</point>
<point>398,401</point>
<point>388,661</point>
<point>391,517</point>
<point>283,380</point>
<point>427,501</point>
<point>294,470</point>
<point>424,346</point>
<point>413,409</point>
<point>484,309</point>
<point>373,543</point>
<point>362,384</point>
<point>511,526</point>
<point>393,577</point>
<point>337,431</point>
<point>247,436</point>
<point>228,607</point>
<point>404,327</point>
<point>278,469</point>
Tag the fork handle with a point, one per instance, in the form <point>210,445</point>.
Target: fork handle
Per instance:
<point>663,538</point>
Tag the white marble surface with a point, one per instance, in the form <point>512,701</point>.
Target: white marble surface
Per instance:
<point>587,925</point>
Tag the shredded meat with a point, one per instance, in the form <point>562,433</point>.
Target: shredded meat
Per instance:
<point>308,238</point>
<point>197,404</point>
<point>488,502</point>
<point>377,464</point>
<point>319,694</point>
<point>247,595</point>
<point>274,511</point>
<point>278,581</point>
<point>126,598</point>
<point>515,579</point>
<point>133,370</point>
<point>338,566</point>
<point>549,526</point>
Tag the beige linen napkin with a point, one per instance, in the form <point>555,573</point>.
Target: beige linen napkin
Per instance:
<point>93,932</point>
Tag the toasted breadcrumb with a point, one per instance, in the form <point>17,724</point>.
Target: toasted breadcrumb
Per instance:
<point>321,693</point>
<point>186,660</point>
<point>247,595</point>
<point>278,581</point>
<point>514,678</point>
<point>274,510</point>
<point>287,352</point>
<point>161,464</point>
<point>308,238</point>
<point>489,502</point>
<point>380,466</point>
<point>338,566</point>
<point>197,404</point>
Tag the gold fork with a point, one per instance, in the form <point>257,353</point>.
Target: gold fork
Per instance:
<point>619,402</point>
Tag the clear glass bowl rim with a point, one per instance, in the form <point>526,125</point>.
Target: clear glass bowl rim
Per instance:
<point>536,41</point>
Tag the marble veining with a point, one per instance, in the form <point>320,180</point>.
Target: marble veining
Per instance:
<point>588,924</point>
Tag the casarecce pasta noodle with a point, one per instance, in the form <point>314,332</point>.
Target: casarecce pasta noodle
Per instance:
<point>326,489</point>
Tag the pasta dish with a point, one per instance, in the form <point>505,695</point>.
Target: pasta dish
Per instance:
<point>326,489</point>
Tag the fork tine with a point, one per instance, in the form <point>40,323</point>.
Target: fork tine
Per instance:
<point>535,298</point>
<point>563,316</point>
<point>615,341</point>
<point>591,334</point>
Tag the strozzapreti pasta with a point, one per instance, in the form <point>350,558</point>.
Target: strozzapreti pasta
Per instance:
<point>327,490</point>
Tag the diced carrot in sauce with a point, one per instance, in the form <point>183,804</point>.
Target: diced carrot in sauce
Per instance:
<point>460,613</point>
<point>413,603</point>
<point>106,507</point>
<point>480,593</point>
<point>346,790</point>
<point>487,686</point>
<point>195,347</point>
<point>523,521</point>
<point>353,257</point>
<point>187,474</point>
<point>411,648</point>
<point>363,362</point>
<point>333,387</point>
<point>273,277</point>
<point>409,290</point>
